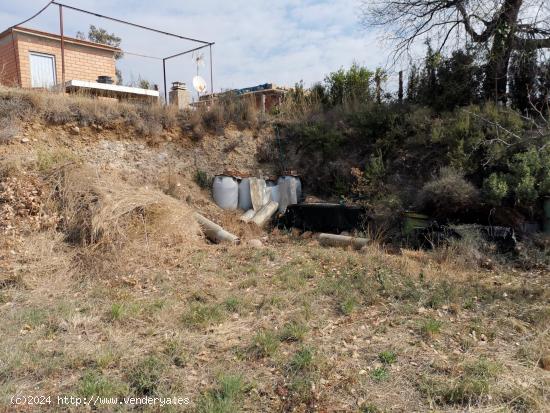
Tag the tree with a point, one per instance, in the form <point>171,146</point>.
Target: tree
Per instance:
<point>500,26</point>
<point>351,85</point>
<point>102,36</point>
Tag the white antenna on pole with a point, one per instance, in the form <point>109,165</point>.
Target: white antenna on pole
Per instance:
<point>198,82</point>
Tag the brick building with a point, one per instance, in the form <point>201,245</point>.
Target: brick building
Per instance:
<point>32,59</point>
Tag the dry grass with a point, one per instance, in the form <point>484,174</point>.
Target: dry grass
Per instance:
<point>135,303</point>
<point>148,120</point>
<point>100,209</point>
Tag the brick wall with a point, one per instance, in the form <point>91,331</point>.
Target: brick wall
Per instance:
<point>8,65</point>
<point>81,62</point>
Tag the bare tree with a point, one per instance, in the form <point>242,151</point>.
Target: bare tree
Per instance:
<point>502,26</point>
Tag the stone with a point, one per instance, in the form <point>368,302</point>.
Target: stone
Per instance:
<point>255,243</point>
<point>25,140</point>
<point>75,130</point>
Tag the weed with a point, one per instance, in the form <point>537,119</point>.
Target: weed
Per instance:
<point>430,327</point>
<point>301,387</point>
<point>201,179</point>
<point>248,283</point>
<point>144,376</point>
<point>301,361</point>
<point>347,305</point>
<point>174,349</point>
<point>116,312</point>
<point>233,304</point>
<point>9,129</point>
<point>224,397</point>
<point>387,357</point>
<point>107,359</point>
<point>95,384</point>
<point>473,383</point>
<point>370,408</point>
<point>380,374</point>
<point>47,160</point>
<point>293,331</point>
<point>264,344</point>
<point>202,315</point>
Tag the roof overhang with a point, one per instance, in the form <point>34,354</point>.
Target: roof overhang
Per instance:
<point>57,37</point>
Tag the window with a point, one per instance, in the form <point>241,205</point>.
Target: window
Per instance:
<point>42,70</point>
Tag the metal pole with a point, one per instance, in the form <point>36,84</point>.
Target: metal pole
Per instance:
<point>211,77</point>
<point>62,48</point>
<point>165,91</point>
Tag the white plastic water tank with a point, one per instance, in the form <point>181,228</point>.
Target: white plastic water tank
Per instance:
<point>225,190</point>
<point>275,194</point>
<point>245,200</point>
<point>292,187</point>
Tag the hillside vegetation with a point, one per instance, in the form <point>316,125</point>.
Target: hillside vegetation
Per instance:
<point>109,289</point>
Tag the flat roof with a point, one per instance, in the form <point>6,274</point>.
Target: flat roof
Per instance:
<point>54,36</point>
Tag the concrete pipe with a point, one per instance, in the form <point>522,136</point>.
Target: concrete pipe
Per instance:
<point>332,240</point>
<point>264,214</point>
<point>214,232</point>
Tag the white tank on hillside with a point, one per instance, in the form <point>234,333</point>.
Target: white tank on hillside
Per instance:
<point>225,190</point>
<point>275,194</point>
<point>245,200</point>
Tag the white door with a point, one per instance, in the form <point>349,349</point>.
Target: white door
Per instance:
<point>42,70</point>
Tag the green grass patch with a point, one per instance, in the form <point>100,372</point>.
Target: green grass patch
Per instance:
<point>264,344</point>
<point>471,386</point>
<point>144,377</point>
<point>301,361</point>
<point>202,315</point>
<point>293,331</point>
<point>233,304</point>
<point>380,374</point>
<point>348,305</point>
<point>387,357</point>
<point>430,328</point>
<point>93,383</point>
<point>224,397</point>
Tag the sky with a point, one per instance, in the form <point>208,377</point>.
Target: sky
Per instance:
<point>256,41</point>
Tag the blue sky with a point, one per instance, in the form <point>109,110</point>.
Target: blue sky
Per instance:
<point>257,41</point>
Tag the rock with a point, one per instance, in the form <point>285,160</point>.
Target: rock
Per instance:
<point>75,130</point>
<point>25,140</point>
<point>63,326</point>
<point>307,235</point>
<point>255,243</point>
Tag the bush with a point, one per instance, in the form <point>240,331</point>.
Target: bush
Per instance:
<point>201,179</point>
<point>495,188</point>
<point>450,192</point>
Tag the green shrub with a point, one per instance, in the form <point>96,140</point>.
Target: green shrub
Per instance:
<point>495,188</point>
<point>449,192</point>
<point>201,179</point>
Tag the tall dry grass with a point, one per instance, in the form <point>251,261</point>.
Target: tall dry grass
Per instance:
<point>149,120</point>
<point>100,210</point>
